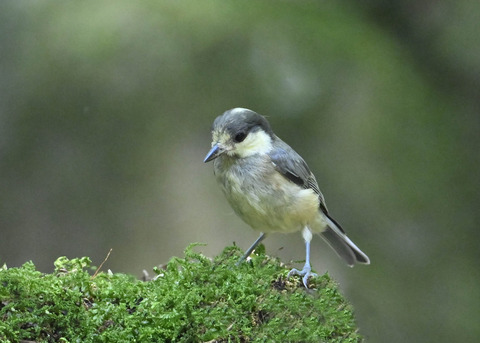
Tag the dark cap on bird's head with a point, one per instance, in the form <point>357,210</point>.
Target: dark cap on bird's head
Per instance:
<point>241,119</point>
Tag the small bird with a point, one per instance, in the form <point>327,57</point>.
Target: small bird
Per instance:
<point>271,188</point>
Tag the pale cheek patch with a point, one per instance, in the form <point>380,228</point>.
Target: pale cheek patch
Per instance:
<point>258,142</point>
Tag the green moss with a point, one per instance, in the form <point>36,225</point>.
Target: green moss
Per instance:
<point>194,299</point>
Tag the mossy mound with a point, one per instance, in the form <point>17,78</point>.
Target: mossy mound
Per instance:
<point>194,299</point>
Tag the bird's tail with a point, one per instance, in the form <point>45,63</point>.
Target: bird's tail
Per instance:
<point>343,246</point>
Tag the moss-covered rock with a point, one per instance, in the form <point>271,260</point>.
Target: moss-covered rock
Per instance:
<point>194,299</point>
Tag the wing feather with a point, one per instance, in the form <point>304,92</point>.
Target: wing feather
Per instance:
<point>294,168</point>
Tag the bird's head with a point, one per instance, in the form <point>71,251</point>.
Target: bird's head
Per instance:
<point>240,133</point>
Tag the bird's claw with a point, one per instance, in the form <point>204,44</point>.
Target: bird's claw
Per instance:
<point>306,272</point>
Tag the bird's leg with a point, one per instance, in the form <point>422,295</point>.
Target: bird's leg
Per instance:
<point>249,250</point>
<point>306,272</point>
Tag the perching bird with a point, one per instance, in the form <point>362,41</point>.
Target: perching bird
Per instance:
<point>270,186</point>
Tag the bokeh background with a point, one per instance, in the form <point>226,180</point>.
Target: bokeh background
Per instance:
<point>105,115</point>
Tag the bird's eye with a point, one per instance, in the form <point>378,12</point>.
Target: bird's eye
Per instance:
<point>240,137</point>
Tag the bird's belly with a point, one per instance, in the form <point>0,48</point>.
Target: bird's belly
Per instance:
<point>276,206</point>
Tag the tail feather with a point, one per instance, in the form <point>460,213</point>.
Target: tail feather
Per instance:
<point>342,245</point>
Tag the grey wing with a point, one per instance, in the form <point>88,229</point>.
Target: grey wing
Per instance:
<point>293,167</point>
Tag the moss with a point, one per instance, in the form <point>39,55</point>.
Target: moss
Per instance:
<point>192,299</point>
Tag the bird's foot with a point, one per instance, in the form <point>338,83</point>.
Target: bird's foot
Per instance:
<point>306,272</point>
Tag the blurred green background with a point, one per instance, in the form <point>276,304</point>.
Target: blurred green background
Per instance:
<point>105,115</point>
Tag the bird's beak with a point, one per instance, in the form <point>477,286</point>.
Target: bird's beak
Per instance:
<point>214,152</point>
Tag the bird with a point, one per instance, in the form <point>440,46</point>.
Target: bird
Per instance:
<point>271,188</point>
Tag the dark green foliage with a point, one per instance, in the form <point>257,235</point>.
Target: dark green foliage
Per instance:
<point>194,299</point>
